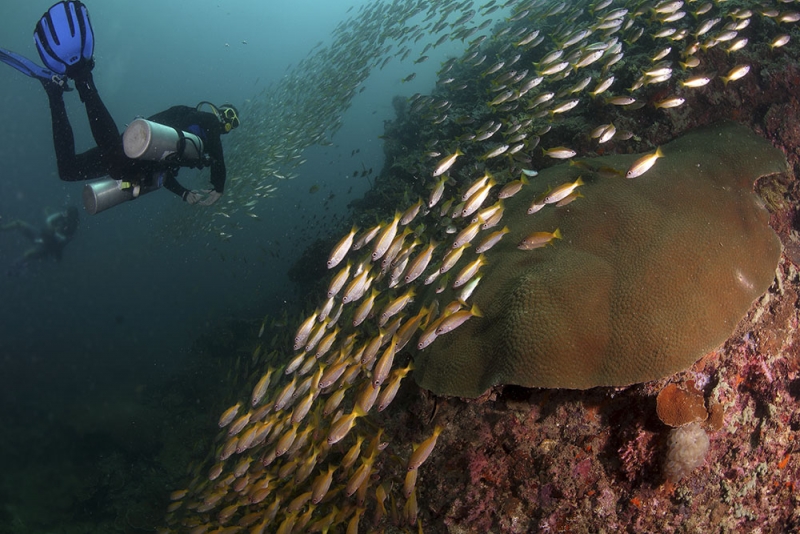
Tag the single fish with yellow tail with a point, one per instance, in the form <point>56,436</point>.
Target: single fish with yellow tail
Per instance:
<point>536,240</point>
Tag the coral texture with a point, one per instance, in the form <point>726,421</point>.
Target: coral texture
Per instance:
<point>688,446</point>
<point>651,274</point>
<point>677,406</point>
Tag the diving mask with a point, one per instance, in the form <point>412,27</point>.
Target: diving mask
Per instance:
<point>229,117</point>
<point>226,113</point>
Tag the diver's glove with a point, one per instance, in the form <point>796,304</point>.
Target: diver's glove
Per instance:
<point>204,197</point>
<point>212,197</point>
<point>193,197</point>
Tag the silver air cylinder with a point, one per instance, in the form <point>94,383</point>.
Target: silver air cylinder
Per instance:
<point>106,193</point>
<point>152,141</point>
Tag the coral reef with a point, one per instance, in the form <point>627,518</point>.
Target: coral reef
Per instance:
<point>608,304</point>
<point>593,461</point>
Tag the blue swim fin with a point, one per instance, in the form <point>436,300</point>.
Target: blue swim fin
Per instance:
<point>64,38</point>
<point>29,68</point>
<point>25,65</point>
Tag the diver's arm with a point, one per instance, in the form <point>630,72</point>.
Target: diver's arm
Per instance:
<point>187,195</point>
<point>218,172</point>
<point>171,184</point>
<point>54,218</point>
<point>22,227</point>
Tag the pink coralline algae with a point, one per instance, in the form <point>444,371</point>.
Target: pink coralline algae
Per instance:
<point>638,456</point>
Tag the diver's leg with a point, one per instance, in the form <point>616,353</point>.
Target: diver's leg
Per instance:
<point>63,138</point>
<point>104,129</point>
<point>71,166</point>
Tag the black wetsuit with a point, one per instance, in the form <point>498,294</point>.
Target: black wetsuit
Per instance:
<point>208,128</point>
<point>108,157</point>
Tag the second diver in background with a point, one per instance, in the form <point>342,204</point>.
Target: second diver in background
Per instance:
<point>48,241</point>
<point>65,42</point>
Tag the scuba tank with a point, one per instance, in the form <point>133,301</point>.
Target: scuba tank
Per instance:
<point>144,140</point>
<point>148,140</point>
<point>106,193</point>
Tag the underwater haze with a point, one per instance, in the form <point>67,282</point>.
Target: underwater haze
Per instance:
<point>481,266</point>
<point>128,298</point>
<point>87,336</point>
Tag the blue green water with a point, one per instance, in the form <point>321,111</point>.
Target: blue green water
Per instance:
<point>87,344</point>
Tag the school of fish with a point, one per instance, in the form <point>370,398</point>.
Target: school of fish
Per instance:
<point>305,450</point>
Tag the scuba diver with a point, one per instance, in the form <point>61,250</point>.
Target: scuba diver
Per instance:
<point>150,154</point>
<point>49,241</point>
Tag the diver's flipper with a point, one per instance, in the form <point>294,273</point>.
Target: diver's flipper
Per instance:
<point>29,68</point>
<point>64,39</point>
<point>25,65</point>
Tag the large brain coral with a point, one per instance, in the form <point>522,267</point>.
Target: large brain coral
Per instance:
<point>651,273</point>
